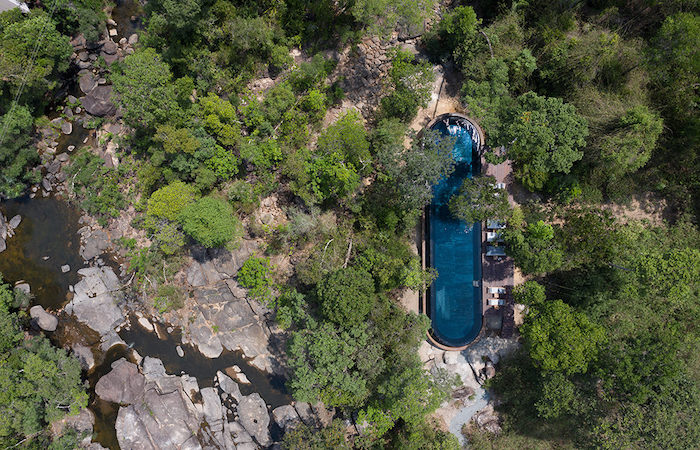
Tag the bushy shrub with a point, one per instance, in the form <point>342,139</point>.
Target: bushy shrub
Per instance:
<point>242,195</point>
<point>169,298</point>
<point>96,185</point>
<point>210,222</point>
<point>168,201</point>
<point>255,275</point>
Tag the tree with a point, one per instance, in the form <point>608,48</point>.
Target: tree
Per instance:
<point>220,119</point>
<point>629,144</point>
<point>255,275</point>
<point>675,63</point>
<point>560,339</point>
<point>146,91</point>
<point>412,173</point>
<point>543,136</point>
<point>168,201</point>
<point>210,222</point>
<point>18,40</point>
<point>327,365</point>
<point>347,137</point>
<point>411,81</point>
<point>346,296</point>
<point>38,383</point>
<point>16,155</point>
<point>479,199</point>
<point>305,437</point>
<point>534,249</point>
<point>382,16</point>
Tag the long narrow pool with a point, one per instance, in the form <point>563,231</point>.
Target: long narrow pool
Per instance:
<point>454,246</point>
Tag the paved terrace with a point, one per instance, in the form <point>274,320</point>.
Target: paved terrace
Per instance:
<point>497,271</point>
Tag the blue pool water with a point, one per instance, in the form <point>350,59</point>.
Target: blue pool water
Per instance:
<point>455,300</point>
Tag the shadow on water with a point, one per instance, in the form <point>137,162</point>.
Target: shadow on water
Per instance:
<point>45,240</point>
<point>123,13</point>
<point>104,431</point>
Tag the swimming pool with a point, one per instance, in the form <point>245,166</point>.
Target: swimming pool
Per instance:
<point>454,247</point>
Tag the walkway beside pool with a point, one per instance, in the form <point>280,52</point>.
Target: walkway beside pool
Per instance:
<point>497,271</point>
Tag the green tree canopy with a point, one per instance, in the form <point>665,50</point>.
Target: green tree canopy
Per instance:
<point>561,339</point>
<point>168,201</point>
<point>16,153</point>
<point>413,172</point>
<point>534,249</point>
<point>18,40</point>
<point>210,222</point>
<point>479,199</point>
<point>543,136</point>
<point>146,91</point>
<point>346,296</point>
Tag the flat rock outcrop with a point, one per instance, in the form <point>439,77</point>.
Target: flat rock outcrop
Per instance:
<point>161,411</point>
<point>95,300</point>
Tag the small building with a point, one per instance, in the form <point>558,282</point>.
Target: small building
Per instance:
<point>6,5</point>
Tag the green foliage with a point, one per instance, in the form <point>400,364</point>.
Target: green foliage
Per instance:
<point>146,91</point>
<point>543,136</point>
<point>561,339</point>
<point>80,16</point>
<point>291,309</point>
<point>529,293</point>
<point>255,275</point>
<point>478,200</point>
<point>314,104</point>
<point>220,119</point>
<point>346,296</point>
<point>96,185</point>
<point>168,237</point>
<point>39,383</point>
<point>412,83</point>
<point>16,155</point>
<point>168,201</point>
<point>18,37</point>
<point>242,195</point>
<point>327,365</point>
<point>264,154</point>
<point>348,139</point>
<point>304,437</point>
<point>383,16</point>
<point>534,249</point>
<point>411,173</point>
<point>169,298</point>
<point>210,222</point>
<point>675,63</point>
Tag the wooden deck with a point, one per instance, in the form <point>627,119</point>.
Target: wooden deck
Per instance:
<point>497,271</point>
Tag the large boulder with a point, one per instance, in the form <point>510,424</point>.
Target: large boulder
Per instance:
<point>286,416</point>
<point>98,101</point>
<point>44,320</point>
<point>252,414</point>
<point>123,384</point>
<point>94,303</point>
<point>87,81</point>
<point>229,386</point>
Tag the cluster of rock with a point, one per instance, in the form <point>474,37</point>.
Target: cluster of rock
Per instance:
<point>53,165</point>
<point>7,229</point>
<point>474,366</point>
<point>94,303</point>
<point>159,411</point>
<point>363,70</point>
<point>92,79</point>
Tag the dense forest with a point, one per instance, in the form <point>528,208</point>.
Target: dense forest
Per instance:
<point>594,103</point>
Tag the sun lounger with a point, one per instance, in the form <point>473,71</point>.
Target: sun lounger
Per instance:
<point>497,290</point>
<point>495,251</point>
<point>495,225</point>
<point>496,302</point>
